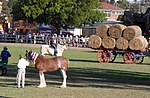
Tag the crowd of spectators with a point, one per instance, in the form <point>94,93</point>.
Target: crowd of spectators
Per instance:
<point>45,38</point>
<point>70,40</point>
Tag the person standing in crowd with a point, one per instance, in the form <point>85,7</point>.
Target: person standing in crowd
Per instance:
<point>5,54</point>
<point>67,39</point>
<point>22,63</point>
<point>53,43</point>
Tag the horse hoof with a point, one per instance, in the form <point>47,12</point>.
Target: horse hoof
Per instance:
<point>63,86</point>
<point>44,86</point>
<point>41,86</point>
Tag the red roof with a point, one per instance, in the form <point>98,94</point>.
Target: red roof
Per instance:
<point>108,6</point>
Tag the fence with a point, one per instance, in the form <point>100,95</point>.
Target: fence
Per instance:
<point>37,39</point>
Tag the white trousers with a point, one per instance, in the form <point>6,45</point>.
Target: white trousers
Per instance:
<point>21,77</point>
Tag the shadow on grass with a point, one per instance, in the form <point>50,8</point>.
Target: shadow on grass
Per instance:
<point>94,61</point>
<point>97,76</point>
<point>4,97</point>
<point>84,77</point>
<point>75,60</point>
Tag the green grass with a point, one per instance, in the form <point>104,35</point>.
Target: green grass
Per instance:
<point>86,78</point>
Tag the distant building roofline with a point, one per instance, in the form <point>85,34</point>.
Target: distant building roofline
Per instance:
<point>108,6</point>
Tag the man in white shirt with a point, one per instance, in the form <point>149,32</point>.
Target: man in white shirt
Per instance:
<point>22,63</point>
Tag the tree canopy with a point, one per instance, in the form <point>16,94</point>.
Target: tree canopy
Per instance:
<point>6,9</point>
<point>58,13</point>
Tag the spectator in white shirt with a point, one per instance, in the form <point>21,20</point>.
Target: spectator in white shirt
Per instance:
<point>22,63</point>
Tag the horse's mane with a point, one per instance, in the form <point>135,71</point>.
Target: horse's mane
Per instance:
<point>40,55</point>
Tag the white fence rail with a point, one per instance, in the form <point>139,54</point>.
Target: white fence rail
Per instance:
<point>37,39</point>
<point>22,38</point>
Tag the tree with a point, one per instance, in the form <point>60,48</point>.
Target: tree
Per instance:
<point>112,1</point>
<point>123,4</point>
<point>5,7</point>
<point>58,13</point>
<point>17,9</point>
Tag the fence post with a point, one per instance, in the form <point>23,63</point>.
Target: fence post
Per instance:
<point>16,38</point>
<point>26,36</point>
<point>4,37</point>
<point>34,39</point>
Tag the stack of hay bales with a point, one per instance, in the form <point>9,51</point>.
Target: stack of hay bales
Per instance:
<point>116,30</point>
<point>118,36</point>
<point>108,42</point>
<point>94,41</point>
<point>138,43</point>
<point>121,43</point>
<point>131,32</point>
<point>102,30</point>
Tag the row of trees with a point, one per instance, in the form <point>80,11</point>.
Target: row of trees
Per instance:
<point>60,13</point>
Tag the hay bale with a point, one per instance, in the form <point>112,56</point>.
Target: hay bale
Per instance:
<point>116,30</point>
<point>131,32</point>
<point>108,42</point>
<point>121,43</point>
<point>102,30</point>
<point>94,41</point>
<point>138,43</point>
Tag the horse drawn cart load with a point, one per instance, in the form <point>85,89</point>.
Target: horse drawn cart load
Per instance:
<point>119,39</point>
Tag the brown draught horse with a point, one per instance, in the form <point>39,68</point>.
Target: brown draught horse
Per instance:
<point>43,64</point>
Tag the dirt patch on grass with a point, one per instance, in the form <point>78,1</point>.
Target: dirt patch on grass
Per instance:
<point>39,45</point>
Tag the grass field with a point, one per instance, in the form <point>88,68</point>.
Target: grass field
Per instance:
<point>86,78</point>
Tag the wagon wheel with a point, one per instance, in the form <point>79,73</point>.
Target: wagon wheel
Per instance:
<point>139,58</point>
<point>103,56</point>
<point>129,57</point>
<point>113,55</point>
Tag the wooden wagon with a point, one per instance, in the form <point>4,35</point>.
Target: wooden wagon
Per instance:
<point>113,40</point>
<point>129,56</point>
